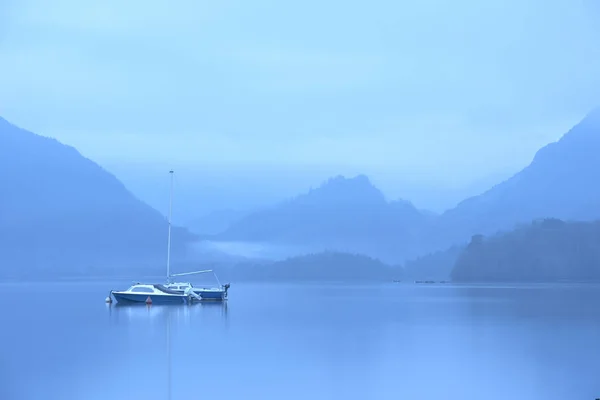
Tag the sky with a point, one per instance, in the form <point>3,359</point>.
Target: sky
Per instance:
<point>429,98</point>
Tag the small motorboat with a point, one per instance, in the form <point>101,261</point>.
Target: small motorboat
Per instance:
<point>151,293</point>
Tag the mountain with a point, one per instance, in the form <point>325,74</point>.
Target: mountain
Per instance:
<point>561,182</point>
<point>325,266</point>
<point>343,214</point>
<point>59,211</point>
<point>544,251</point>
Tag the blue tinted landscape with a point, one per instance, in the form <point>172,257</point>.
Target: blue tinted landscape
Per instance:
<point>273,200</point>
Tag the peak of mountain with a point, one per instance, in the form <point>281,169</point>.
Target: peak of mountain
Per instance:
<point>340,191</point>
<point>59,209</point>
<point>561,182</point>
<point>342,214</point>
<point>581,140</point>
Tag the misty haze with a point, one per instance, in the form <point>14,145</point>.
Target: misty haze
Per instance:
<point>267,200</point>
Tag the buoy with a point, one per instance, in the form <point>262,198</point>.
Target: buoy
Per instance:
<point>148,300</point>
<point>108,300</point>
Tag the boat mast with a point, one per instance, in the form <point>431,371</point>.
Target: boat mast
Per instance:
<point>169,237</point>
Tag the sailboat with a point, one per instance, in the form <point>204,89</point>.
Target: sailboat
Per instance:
<point>217,293</point>
<point>172,292</point>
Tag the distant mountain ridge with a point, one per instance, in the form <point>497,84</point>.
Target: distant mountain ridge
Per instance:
<point>57,205</point>
<point>59,209</point>
<point>352,215</point>
<point>562,182</point>
<point>343,214</point>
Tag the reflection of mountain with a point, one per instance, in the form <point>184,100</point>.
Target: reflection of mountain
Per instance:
<point>62,211</point>
<point>342,214</point>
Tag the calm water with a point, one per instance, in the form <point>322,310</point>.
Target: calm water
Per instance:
<point>60,341</point>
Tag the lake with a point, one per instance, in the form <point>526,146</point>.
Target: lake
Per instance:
<point>303,341</point>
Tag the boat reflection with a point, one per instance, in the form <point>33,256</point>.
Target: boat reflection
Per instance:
<point>206,312</point>
<point>168,317</point>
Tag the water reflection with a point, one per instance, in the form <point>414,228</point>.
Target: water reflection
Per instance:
<point>182,314</point>
<point>170,319</point>
<point>314,341</point>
